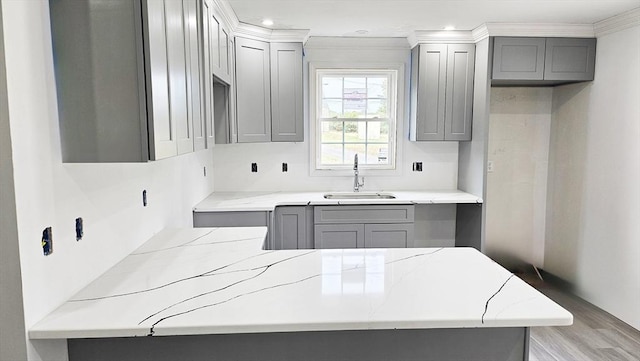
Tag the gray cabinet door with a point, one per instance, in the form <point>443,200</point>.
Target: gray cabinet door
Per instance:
<point>286,92</point>
<point>177,60</point>
<point>459,93</point>
<point>290,227</point>
<point>429,71</point>
<point>207,77</point>
<point>338,236</point>
<point>195,104</point>
<point>162,130</point>
<point>518,58</point>
<point>253,88</point>
<point>569,59</point>
<point>394,235</point>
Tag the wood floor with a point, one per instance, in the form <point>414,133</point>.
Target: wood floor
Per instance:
<point>595,334</point>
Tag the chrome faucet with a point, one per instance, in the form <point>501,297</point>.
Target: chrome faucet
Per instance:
<point>356,180</point>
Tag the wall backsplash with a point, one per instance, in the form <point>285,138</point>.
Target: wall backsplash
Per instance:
<point>232,165</point>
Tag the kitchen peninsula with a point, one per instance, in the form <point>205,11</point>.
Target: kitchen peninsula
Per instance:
<point>215,294</point>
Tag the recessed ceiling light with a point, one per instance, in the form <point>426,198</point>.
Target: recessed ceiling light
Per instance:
<point>267,22</point>
<point>449,28</point>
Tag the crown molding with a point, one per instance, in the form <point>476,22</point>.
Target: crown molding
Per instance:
<point>440,37</point>
<point>540,30</point>
<point>328,42</point>
<point>616,23</point>
<point>225,11</point>
<point>229,17</point>
<point>480,33</point>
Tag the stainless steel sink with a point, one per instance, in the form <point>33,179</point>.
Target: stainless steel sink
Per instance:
<point>358,195</point>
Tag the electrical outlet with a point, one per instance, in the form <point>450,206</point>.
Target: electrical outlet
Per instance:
<point>254,167</point>
<point>144,198</point>
<point>79,228</point>
<point>285,167</point>
<point>47,241</point>
<point>417,166</point>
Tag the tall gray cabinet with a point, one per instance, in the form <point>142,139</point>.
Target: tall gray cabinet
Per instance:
<point>128,79</point>
<point>442,91</point>
<point>268,91</point>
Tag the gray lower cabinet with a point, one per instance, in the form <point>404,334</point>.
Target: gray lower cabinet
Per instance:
<point>442,92</point>
<point>542,61</point>
<point>292,227</point>
<point>367,226</point>
<point>338,236</point>
<point>268,90</point>
<point>398,235</point>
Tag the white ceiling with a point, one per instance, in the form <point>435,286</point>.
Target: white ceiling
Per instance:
<point>398,18</point>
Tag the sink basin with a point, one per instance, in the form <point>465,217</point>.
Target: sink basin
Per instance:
<point>359,195</point>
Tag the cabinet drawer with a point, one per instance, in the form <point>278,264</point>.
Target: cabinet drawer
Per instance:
<point>230,219</point>
<point>364,214</point>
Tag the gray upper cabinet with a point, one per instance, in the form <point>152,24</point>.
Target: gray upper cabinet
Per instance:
<point>542,61</point>
<point>570,59</point>
<point>128,79</point>
<point>253,91</point>
<point>286,92</point>
<point>518,58</point>
<point>442,92</point>
<point>428,86</point>
<point>268,86</point>
<point>459,97</point>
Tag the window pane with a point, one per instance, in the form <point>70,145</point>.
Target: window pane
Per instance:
<point>355,131</point>
<point>355,118</point>
<point>331,154</point>
<point>377,88</point>
<point>377,108</point>
<point>331,132</point>
<point>377,154</point>
<point>355,83</point>
<point>331,87</point>
<point>355,97</point>
<point>378,132</point>
<point>331,108</point>
<point>350,151</point>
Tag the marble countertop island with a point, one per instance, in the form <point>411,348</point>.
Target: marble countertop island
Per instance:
<point>267,201</point>
<point>220,281</point>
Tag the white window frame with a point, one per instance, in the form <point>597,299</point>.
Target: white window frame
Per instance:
<point>396,88</point>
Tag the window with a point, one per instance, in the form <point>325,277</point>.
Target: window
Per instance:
<point>355,113</point>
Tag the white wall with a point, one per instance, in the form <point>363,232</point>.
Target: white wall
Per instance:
<point>516,197</point>
<point>48,193</point>
<point>593,227</point>
<point>440,159</point>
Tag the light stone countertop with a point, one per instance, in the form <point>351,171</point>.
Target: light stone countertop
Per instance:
<point>267,201</point>
<point>220,280</point>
